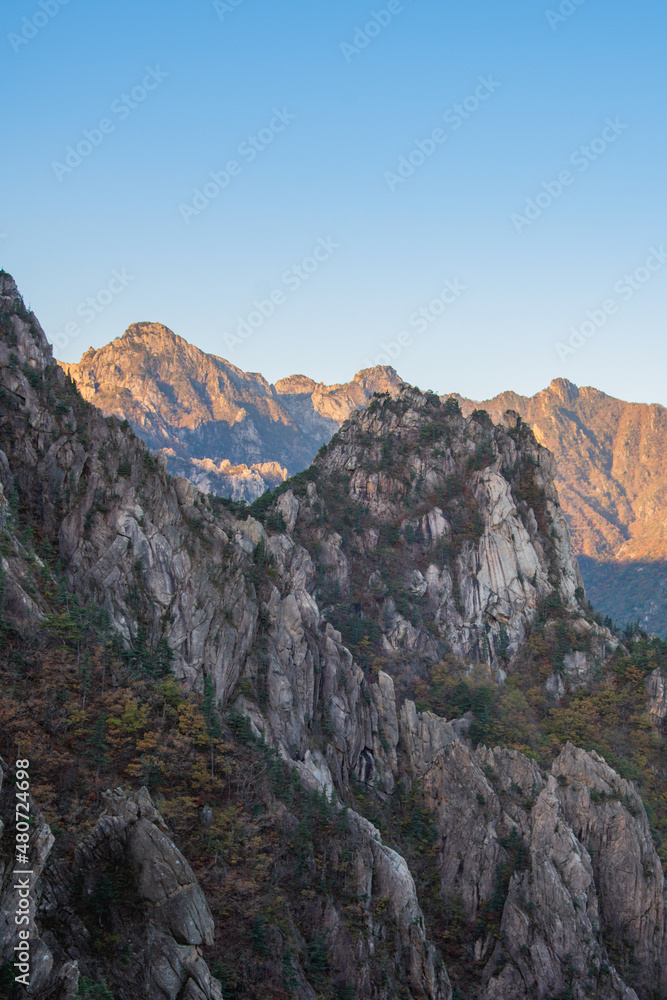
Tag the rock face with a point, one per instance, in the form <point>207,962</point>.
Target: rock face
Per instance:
<point>657,696</point>
<point>612,476</point>
<point>556,904</point>
<point>164,917</point>
<point>229,431</point>
<point>611,465</point>
<point>417,531</point>
<point>453,534</point>
<point>382,875</point>
<point>238,482</point>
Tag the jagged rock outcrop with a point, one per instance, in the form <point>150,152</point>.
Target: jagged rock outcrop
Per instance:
<point>382,878</point>
<point>611,464</point>
<point>444,533</point>
<point>229,431</point>
<point>656,688</point>
<point>163,917</point>
<point>238,482</point>
<point>611,481</point>
<point>559,887</point>
<point>608,815</point>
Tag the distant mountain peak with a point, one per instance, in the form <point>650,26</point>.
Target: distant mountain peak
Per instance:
<point>152,332</point>
<point>564,388</point>
<point>380,375</point>
<point>199,408</point>
<point>295,385</point>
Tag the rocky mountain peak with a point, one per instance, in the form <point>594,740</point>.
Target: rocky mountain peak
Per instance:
<point>8,289</point>
<point>382,377</point>
<point>295,385</point>
<point>563,388</point>
<point>151,333</point>
<point>198,408</point>
<point>453,533</point>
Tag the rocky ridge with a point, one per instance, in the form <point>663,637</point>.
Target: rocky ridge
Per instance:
<point>611,465</point>
<point>229,431</point>
<point>441,534</point>
<point>527,887</point>
<point>201,409</point>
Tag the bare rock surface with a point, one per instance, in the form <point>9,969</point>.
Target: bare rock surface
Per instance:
<point>562,864</point>
<point>435,533</point>
<point>228,430</point>
<point>165,920</point>
<point>656,688</point>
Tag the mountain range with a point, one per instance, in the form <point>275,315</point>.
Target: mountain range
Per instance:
<point>234,434</point>
<point>365,739</point>
<point>227,430</point>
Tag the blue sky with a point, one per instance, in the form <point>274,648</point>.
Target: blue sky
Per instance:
<point>181,88</point>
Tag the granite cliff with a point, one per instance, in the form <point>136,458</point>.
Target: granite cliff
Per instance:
<point>232,433</point>
<point>321,748</point>
<point>612,478</point>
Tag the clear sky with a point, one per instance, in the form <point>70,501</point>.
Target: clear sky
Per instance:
<point>303,111</point>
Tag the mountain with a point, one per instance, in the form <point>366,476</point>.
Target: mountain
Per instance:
<point>435,533</point>
<point>233,434</point>
<point>363,740</point>
<point>226,430</point>
<point>612,482</point>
